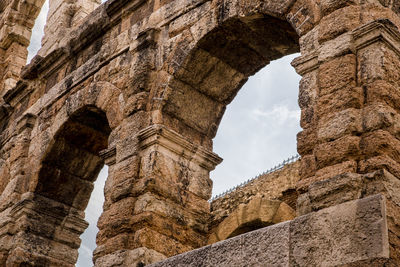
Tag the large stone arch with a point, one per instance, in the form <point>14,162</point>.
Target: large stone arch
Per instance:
<point>215,55</point>
<point>103,96</point>
<point>218,66</point>
<point>18,18</point>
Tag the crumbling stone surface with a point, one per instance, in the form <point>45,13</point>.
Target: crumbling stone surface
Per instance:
<point>142,86</point>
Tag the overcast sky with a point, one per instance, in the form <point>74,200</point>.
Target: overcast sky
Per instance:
<point>257,132</point>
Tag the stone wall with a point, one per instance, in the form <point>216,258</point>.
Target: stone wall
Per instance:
<point>351,234</point>
<point>152,80</point>
<point>278,185</point>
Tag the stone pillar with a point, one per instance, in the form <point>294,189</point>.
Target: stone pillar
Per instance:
<point>16,19</point>
<point>62,17</point>
<point>13,178</point>
<point>378,66</point>
<point>156,199</point>
<point>350,113</point>
<point>49,228</point>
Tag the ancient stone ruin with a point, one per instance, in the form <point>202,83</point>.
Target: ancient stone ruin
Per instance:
<point>142,85</point>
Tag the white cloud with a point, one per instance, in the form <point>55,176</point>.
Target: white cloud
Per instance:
<point>280,114</point>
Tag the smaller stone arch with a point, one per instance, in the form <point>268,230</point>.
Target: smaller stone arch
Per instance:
<point>259,212</point>
<point>62,189</point>
<point>62,184</point>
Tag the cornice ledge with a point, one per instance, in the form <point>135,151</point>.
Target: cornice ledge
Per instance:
<point>45,66</point>
<point>109,155</point>
<point>306,63</point>
<point>380,30</point>
<point>159,135</point>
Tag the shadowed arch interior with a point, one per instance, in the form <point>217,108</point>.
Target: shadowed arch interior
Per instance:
<point>65,182</point>
<point>221,63</point>
<point>73,162</point>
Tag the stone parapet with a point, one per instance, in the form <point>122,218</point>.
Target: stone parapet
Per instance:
<point>354,233</point>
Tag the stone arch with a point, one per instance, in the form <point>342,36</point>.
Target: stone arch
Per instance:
<point>102,95</point>
<point>17,18</point>
<point>60,188</point>
<point>215,57</point>
<point>73,157</point>
<point>64,184</point>
<point>259,212</point>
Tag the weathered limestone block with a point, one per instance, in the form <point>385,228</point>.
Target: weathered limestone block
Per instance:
<point>137,257</point>
<point>339,21</point>
<point>339,73</point>
<point>348,233</point>
<point>382,64</point>
<point>342,234</point>
<point>344,148</point>
<point>351,97</point>
<point>336,125</point>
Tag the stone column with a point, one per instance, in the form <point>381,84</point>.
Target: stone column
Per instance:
<point>156,200</point>
<point>350,113</point>
<point>377,46</point>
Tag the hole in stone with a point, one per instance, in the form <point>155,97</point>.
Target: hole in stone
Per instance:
<point>248,227</point>
<point>257,132</point>
<point>38,32</point>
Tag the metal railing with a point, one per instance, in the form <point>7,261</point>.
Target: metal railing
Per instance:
<point>273,169</point>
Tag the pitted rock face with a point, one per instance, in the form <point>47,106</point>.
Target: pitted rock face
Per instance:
<point>142,86</point>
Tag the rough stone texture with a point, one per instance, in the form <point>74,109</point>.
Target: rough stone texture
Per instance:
<point>142,85</point>
<point>278,185</point>
<point>259,212</point>
<point>344,235</point>
<point>136,257</point>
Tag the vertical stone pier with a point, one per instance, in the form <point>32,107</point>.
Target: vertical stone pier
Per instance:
<point>350,113</point>
<point>156,199</point>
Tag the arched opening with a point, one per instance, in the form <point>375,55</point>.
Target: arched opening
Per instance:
<point>66,178</point>
<point>259,212</point>
<point>258,130</point>
<point>221,62</point>
<point>216,68</point>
